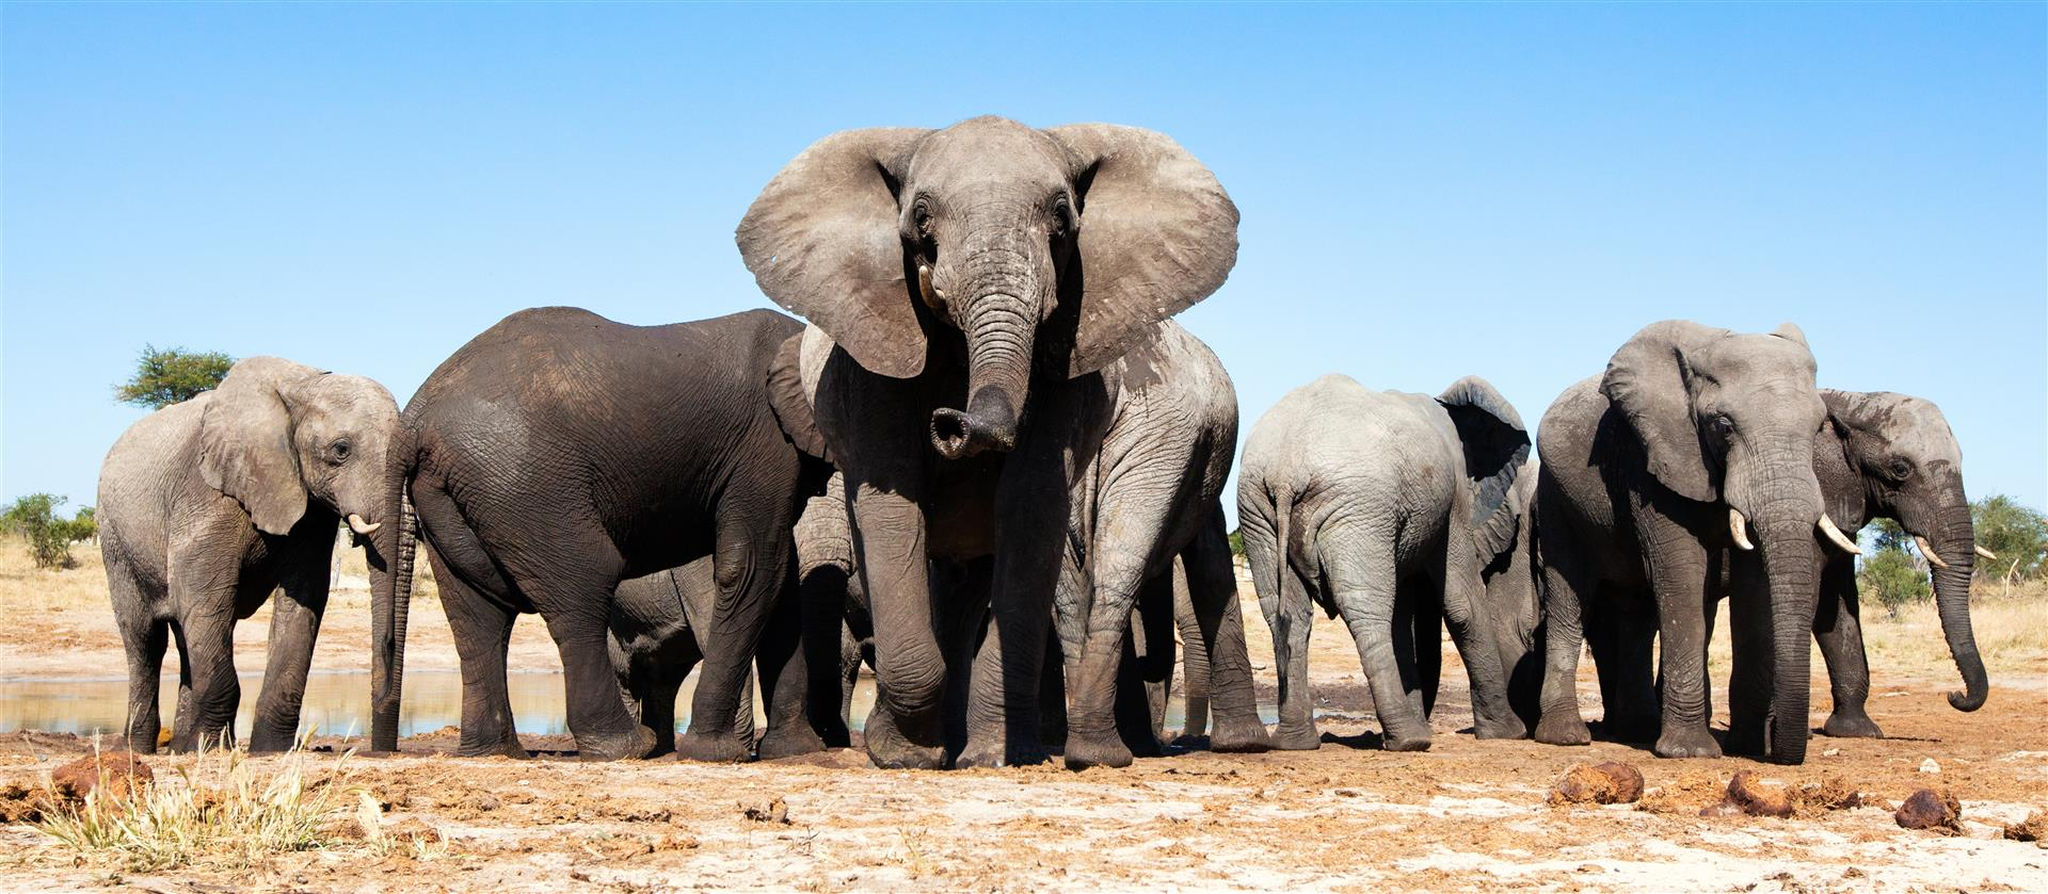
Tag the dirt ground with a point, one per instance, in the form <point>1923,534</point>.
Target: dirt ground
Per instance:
<point>1465,815</point>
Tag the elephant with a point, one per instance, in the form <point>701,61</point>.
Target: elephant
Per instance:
<point>655,622</point>
<point>559,453</point>
<point>1692,438</point>
<point>1387,508</point>
<point>981,296</point>
<point>207,506</point>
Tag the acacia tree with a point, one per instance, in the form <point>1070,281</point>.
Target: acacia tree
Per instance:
<point>2017,534</point>
<point>172,375</point>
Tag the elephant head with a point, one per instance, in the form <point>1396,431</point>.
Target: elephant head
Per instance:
<point>1050,250</point>
<point>277,434</point>
<point>1907,466</point>
<point>1728,419</point>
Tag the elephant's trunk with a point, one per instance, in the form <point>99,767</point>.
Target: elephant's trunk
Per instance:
<point>1790,552</point>
<point>391,603</point>
<point>1952,600</point>
<point>1000,335</point>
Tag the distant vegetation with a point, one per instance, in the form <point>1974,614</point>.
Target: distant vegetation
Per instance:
<point>1893,574</point>
<point>172,375</point>
<point>34,518</point>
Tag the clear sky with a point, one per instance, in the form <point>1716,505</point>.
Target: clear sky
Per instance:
<point>1427,190</point>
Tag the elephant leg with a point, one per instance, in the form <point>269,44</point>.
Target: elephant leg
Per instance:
<point>1839,630</point>
<point>1463,591</point>
<point>785,682</point>
<point>1677,575</point>
<point>1093,738</point>
<point>1033,508</point>
<point>206,718</point>
<point>830,653</point>
<point>1052,694</point>
<point>659,687</point>
<point>1194,656</point>
<point>145,641</point>
<point>1219,622</point>
<point>1290,615</point>
<point>751,564</point>
<point>576,603</point>
<point>294,628</point>
<point>1626,634</point>
<point>1419,621</point>
<point>1564,592</point>
<point>1145,676</point>
<point>1363,583</point>
<point>482,630</point>
<point>910,668</point>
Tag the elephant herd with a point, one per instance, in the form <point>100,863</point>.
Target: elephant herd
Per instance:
<point>991,469</point>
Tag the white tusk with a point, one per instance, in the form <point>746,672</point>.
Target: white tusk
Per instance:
<point>932,296</point>
<point>1827,526</point>
<point>1739,528</point>
<point>363,528</point>
<point>1927,549</point>
<point>1987,554</point>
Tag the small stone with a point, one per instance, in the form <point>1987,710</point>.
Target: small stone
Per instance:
<point>1930,809</point>
<point>1929,766</point>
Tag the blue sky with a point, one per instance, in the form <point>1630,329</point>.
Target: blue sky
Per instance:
<point>1427,191</point>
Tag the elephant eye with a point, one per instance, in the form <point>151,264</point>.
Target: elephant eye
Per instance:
<point>338,452</point>
<point>1721,425</point>
<point>921,217</point>
<point>1062,216</point>
<point>1899,469</point>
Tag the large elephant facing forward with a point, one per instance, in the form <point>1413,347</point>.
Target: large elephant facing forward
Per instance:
<point>974,281</point>
<point>1384,507</point>
<point>1693,439</point>
<point>206,506</point>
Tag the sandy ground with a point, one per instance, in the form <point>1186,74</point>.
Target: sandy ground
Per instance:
<point>1465,815</point>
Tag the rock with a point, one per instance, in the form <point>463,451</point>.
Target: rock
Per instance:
<point>774,811</point>
<point>116,775</point>
<point>1929,766</point>
<point>1748,793</point>
<point>1607,783</point>
<point>1930,809</point>
<point>2033,828</point>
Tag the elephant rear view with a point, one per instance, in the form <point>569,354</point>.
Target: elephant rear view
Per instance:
<point>559,453</point>
<point>1384,507</point>
<point>208,505</point>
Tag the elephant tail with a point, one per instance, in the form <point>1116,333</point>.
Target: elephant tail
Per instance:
<point>1283,510</point>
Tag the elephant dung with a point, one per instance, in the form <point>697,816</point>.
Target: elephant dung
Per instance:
<point>775,812</point>
<point>1606,783</point>
<point>1748,794</point>
<point>118,775</point>
<point>1929,808</point>
<point>1831,793</point>
<point>2034,828</point>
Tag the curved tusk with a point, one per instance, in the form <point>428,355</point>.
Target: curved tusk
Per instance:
<point>933,298</point>
<point>362,528</point>
<point>1738,528</point>
<point>1835,536</point>
<point>1927,549</point>
<point>1987,554</point>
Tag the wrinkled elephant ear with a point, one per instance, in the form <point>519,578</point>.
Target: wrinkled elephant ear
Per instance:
<point>1496,445</point>
<point>1647,380</point>
<point>823,241</point>
<point>1157,234</point>
<point>245,442</point>
<point>790,403</point>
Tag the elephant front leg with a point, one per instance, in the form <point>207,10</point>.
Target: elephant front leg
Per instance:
<point>904,730</point>
<point>751,565</point>
<point>1033,508</point>
<point>145,641</point>
<point>294,627</point>
<point>1678,575</point>
<point>1839,631</point>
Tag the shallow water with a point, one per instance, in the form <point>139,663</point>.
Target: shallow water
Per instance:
<point>339,703</point>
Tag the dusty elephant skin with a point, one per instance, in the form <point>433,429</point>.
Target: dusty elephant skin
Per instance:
<point>206,506</point>
<point>1385,507</point>
<point>975,284</point>
<point>1693,439</point>
<point>659,625</point>
<point>559,453</point>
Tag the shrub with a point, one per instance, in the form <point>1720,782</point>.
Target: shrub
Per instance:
<point>1893,579</point>
<point>49,537</point>
<point>2018,534</point>
<point>172,375</point>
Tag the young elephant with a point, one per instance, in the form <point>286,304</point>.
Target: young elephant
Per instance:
<point>559,453</point>
<point>206,506</point>
<point>1384,507</point>
<point>656,623</point>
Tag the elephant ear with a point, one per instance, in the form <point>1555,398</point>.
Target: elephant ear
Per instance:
<point>1646,379</point>
<point>790,403</point>
<point>1157,234</point>
<point>822,240</point>
<point>245,442</point>
<point>1496,445</point>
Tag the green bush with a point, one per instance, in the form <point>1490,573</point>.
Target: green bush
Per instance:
<point>1893,579</point>
<point>2018,534</point>
<point>49,537</point>
<point>1237,543</point>
<point>173,375</point>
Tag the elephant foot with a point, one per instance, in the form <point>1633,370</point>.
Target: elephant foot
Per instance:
<point>634,745</point>
<point>1297,738</point>
<point>1390,741</point>
<point>1632,728</point>
<point>1563,729</point>
<point>270,741</point>
<point>506,747</point>
<point>711,748</point>
<point>1509,728</point>
<point>789,740</point>
<point>1687,741</point>
<point>1244,735</point>
<point>1847,726</point>
<point>889,750</point>
<point>1102,750</point>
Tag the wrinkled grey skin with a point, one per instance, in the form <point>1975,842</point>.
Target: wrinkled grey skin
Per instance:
<point>206,506</point>
<point>978,281</point>
<point>1387,508</point>
<point>1514,603</point>
<point>1640,469</point>
<point>655,622</point>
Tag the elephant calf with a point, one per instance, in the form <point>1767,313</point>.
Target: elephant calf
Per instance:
<point>207,506</point>
<point>1384,507</point>
<point>656,625</point>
